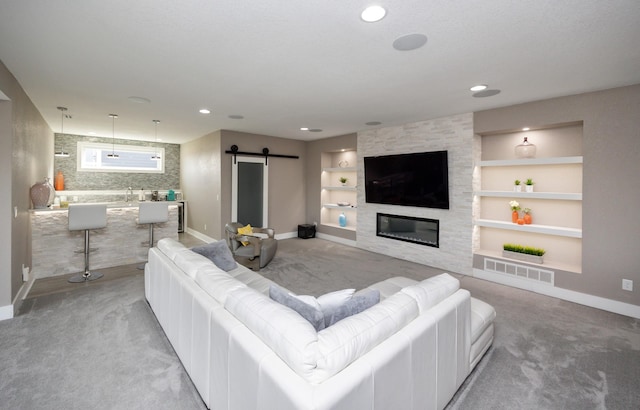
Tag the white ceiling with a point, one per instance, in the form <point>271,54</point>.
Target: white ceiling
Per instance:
<point>286,64</point>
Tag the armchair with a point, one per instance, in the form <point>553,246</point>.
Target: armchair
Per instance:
<point>257,252</point>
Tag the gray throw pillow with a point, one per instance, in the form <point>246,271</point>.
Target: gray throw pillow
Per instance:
<point>219,253</point>
<point>311,314</point>
<point>357,304</point>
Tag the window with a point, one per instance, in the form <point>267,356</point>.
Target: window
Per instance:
<point>93,156</point>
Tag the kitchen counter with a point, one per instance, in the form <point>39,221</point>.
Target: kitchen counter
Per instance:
<point>58,251</point>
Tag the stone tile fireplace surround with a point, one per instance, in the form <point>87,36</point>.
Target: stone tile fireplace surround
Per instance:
<point>454,134</point>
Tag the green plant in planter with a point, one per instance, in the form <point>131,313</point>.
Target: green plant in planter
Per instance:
<point>343,180</point>
<point>528,250</point>
<point>529,181</point>
<point>516,182</point>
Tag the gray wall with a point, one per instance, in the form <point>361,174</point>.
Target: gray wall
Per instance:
<point>206,181</point>
<point>611,170</point>
<point>200,182</point>
<point>80,181</point>
<point>26,157</point>
<point>287,200</point>
<point>313,181</point>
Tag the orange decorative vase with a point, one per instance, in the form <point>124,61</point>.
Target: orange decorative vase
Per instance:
<point>514,216</point>
<point>527,219</point>
<point>58,182</point>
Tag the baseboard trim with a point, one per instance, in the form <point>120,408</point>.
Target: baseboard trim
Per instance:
<point>286,235</point>
<point>200,236</point>
<point>597,302</point>
<point>337,239</point>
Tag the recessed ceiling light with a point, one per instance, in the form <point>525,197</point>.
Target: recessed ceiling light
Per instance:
<point>315,130</point>
<point>486,93</point>
<point>373,13</point>
<point>304,129</point>
<point>479,87</point>
<point>373,123</point>
<point>410,42</point>
<point>139,100</point>
<point>236,116</point>
<point>204,111</point>
<point>526,129</point>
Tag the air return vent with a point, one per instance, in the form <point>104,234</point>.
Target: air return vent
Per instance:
<point>519,271</point>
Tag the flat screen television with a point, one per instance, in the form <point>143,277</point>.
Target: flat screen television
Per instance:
<point>418,179</point>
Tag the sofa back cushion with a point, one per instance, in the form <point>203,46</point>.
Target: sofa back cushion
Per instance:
<point>189,262</point>
<point>170,247</point>
<point>216,283</point>
<point>347,340</point>
<point>432,291</point>
<point>287,333</point>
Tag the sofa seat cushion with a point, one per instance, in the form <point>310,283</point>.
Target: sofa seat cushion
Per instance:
<point>252,279</point>
<point>482,316</point>
<point>170,247</point>
<point>389,286</point>
<point>216,283</point>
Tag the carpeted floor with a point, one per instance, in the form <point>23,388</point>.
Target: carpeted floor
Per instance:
<point>100,347</point>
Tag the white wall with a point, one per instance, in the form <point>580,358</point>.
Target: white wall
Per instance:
<point>454,134</point>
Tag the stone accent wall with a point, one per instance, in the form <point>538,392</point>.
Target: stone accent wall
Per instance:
<point>454,134</point>
<point>84,181</point>
<point>55,248</point>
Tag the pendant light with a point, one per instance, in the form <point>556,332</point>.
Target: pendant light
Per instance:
<point>113,137</point>
<point>61,152</point>
<point>156,156</point>
<point>525,150</point>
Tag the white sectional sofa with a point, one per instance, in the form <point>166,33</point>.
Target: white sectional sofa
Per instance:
<point>243,350</point>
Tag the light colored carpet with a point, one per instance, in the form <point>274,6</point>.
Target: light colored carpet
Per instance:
<point>100,347</point>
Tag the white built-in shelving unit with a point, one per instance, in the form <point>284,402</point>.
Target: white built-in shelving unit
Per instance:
<point>556,205</point>
<point>333,192</point>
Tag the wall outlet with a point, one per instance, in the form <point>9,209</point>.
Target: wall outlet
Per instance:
<point>627,284</point>
<point>205,227</point>
<point>25,273</point>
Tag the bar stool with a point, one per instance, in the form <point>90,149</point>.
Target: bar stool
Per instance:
<point>152,213</point>
<point>84,217</point>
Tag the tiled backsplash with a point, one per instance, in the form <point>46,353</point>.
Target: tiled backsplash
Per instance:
<point>88,181</point>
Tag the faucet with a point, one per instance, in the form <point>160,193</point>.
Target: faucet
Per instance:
<point>128,195</point>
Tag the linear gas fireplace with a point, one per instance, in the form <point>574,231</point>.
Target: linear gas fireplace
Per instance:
<point>409,229</point>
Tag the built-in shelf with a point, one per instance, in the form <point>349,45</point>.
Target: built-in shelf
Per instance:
<point>347,228</point>
<point>533,228</point>
<point>338,169</point>
<point>340,188</point>
<point>531,161</point>
<point>567,196</point>
<point>336,206</point>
